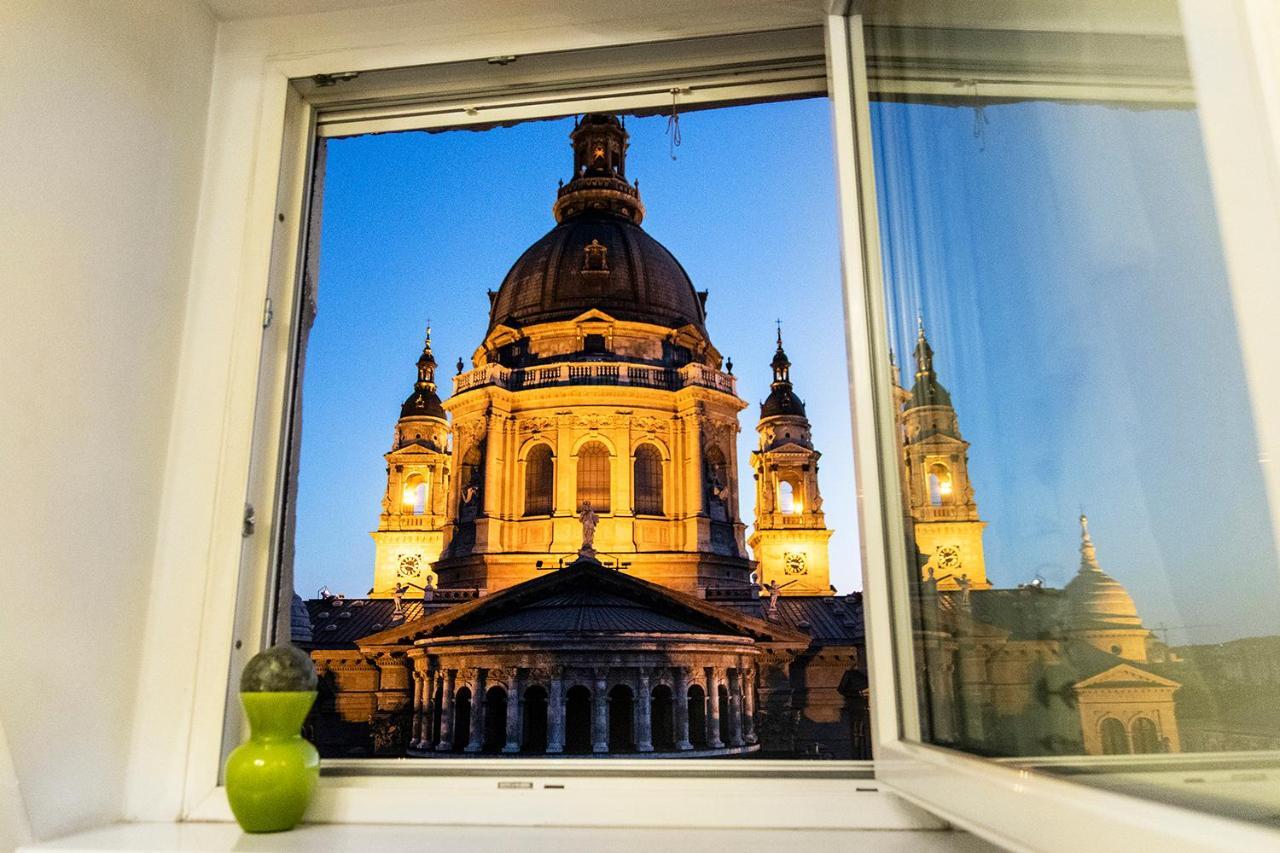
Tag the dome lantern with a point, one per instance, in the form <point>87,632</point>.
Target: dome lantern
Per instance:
<point>598,257</point>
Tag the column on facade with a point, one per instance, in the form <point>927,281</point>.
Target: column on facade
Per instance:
<point>446,711</point>
<point>565,481</point>
<point>735,707</point>
<point>600,715</point>
<point>493,452</point>
<point>514,704</point>
<point>644,714</point>
<point>477,712</point>
<point>695,494</point>
<point>681,708</point>
<point>429,681</point>
<point>415,728</point>
<point>749,705</point>
<point>713,709</point>
<point>555,714</point>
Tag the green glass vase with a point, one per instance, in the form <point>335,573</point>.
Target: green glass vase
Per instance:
<point>270,777</point>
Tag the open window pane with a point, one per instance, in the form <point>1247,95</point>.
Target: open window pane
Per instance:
<point>1094,570</point>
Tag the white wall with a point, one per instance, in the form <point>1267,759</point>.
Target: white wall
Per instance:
<point>102,124</point>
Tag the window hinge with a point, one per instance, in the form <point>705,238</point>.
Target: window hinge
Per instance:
<point>250,519</point>
<point>267,314</point>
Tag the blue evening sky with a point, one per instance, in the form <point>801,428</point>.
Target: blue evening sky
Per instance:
<point>1065,261</point>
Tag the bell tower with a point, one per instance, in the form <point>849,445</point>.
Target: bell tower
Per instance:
<point>410,533</point>
<point>789,540</point>
<point>939,495</point>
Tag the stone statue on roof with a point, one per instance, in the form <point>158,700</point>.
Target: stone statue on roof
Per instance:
<point>589,520</point>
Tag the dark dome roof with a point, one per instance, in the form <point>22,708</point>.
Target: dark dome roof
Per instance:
<point>929,392</point>
<point>782,401</point>
<point>423,404</point>
<point>557,278</point>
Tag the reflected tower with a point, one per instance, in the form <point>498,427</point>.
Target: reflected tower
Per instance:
<point>935,472</point>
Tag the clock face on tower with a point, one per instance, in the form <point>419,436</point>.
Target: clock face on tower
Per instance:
<point>949,557</point>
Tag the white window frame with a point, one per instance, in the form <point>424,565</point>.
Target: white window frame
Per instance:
<point>231,384</point>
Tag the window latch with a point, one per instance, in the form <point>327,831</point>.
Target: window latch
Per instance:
<point>268,314</point>
<point>250,520</point>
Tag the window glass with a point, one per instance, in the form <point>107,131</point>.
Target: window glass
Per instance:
<point>1091,543</point>
<point>648,480</point>
<point>539,477</point>
<point>591,340</point>
<point>594,476</point>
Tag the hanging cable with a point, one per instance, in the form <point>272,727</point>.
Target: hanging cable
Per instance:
<point>980,119</point>
<point>673,125</point>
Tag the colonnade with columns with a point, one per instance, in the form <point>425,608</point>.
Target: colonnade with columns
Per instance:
<point>464,706</point>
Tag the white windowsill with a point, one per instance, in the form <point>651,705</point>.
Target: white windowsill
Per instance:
<point>379,837</point>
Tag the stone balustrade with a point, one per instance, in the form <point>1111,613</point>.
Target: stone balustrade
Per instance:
<point>596,373</point>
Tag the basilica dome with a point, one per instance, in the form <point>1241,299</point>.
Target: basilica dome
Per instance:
<point>598,256</point>
<point>597,259</point>
<point>1094,598</point>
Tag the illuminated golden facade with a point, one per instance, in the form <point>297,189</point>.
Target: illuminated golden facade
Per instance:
<point>596,383</point>
<point>410,532</point>
<point>790,535</point>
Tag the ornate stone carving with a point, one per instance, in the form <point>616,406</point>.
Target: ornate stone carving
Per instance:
<point>537,425</point>
<point>648,424</point>
<point>595,423</point>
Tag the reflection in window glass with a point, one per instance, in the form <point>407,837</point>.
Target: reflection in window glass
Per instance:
<point>1093,548</point>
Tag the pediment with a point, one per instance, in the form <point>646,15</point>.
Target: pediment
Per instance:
<point>594,315</point>
<point>1125,675</point>
<point>791,447</point>
<point>412,450</point>
<point>587,598</point>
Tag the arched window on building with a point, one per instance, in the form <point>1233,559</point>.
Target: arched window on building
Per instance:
<point>939,484</point>
<point>661,716</point>
<point>577,720</point>
<point>786,498</point>
<point>495,719</point>
<point>533,720</point>
<point>621,719</point>
<point>461,719</point>
<point>415,494</point>
<point>648,480</point>
<point>1115,740</point>
<point>539,481</point>
<point>593,476</point>
<point>697,700</point>
<point>470,482</point>
<point>1145,736</point>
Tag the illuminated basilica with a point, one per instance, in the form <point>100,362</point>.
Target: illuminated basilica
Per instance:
<point>561,567</point>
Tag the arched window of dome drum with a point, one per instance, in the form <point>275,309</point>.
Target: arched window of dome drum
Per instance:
<point>1145,736</point>
<point>539,481</point>
<point>648,480</point>
<point>939,483</point>
<point>593,476</point>
<point>1115,740</point>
